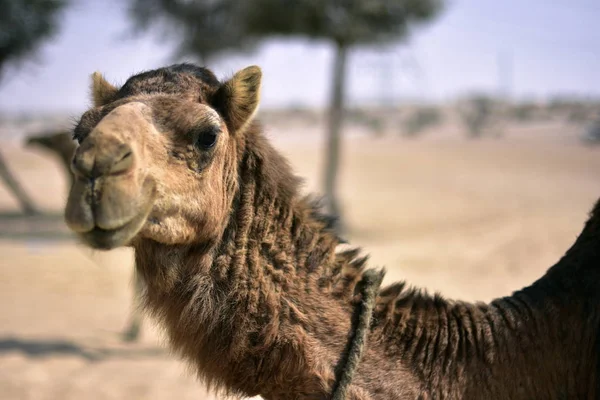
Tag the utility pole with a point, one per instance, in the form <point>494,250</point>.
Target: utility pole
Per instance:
<point>387,76</point>
<point>505,74</point>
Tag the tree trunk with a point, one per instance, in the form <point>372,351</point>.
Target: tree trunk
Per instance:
<point>15,188</point>
<point>336,114</point>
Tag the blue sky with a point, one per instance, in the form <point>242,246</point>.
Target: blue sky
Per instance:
<point>553,47</point>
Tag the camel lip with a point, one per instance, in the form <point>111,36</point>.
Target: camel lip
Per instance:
<point>108,239</point>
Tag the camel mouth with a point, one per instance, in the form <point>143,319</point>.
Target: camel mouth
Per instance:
<point>101,235</point>
<point>108,239</point>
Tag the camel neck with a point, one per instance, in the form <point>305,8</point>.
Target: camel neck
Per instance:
<point>272,291</point>
<point>274,235</point>
<point>542,327</point>
<point>575,277</point>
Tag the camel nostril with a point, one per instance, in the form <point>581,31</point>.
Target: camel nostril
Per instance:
<point>123,164</point>
<point>125,156</point>
<point>82,165</point>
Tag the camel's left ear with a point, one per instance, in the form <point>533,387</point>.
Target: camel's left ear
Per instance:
<point>238,98</point>
<point>102,91</point>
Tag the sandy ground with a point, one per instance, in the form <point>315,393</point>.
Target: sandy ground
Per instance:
<point>471,219</point>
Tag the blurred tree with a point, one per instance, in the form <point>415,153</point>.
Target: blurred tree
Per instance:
<point>207,27</point>
<point>24,25</point>
<point>345,23</point>
<point>202,28</point>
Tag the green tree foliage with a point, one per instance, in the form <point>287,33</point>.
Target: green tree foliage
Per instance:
<point>207,27</point>
<point>24,25</point>
<point>202,28</point>
<point>344,23</point>
<point>347,22</point>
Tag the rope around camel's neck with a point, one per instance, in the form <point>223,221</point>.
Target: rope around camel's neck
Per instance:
<point>369,287</point>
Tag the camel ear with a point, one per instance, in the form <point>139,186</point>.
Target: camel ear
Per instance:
<point>102,91</point>
<point>238,98</point>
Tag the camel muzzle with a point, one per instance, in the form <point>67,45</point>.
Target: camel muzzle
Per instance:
<point>110,199</point>
<point>107,212</point>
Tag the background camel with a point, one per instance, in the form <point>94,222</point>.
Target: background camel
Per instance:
<point>62,145</point>
<point>14,186</point>
<point>59,144</point>
<point>245,275</point>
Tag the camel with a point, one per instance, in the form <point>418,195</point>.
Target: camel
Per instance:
<point>251,285</point>
<point>57,143</point>
<point>62,145</point>
<point>13,185</point>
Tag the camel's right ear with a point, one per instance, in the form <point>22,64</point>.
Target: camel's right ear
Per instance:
<point>102,91</point>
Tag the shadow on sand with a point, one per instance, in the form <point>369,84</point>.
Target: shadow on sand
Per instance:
<point>46,226</point>
<point>38,348</point>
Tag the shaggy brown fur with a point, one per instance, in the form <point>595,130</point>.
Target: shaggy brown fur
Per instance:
<point>246,278</point>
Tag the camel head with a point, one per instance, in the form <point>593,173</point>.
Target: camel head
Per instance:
<point>157,157</point>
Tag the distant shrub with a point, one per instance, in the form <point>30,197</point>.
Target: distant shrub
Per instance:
<point>371,122</point>
<point>305,114</point>
<point>421,119</point>
<point>583,114</point>
<point>523,112</point>
<point>578,115</point>
<point>562,105</point>
<point>591,134</point>
<point>576,111</point>
<point>476,113</point>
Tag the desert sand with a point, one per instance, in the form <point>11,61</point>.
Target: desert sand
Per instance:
<point>472,219</point>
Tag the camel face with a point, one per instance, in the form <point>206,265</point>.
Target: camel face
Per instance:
<point>142,173</point>
<point>112,195</point>
<point>155,166</point>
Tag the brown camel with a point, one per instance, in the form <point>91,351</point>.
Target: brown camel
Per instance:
<point>13,185</point>
<point>247,279</point>
<point>62,145</point>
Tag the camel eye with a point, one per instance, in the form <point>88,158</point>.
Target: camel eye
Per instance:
<point>207,138</point>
